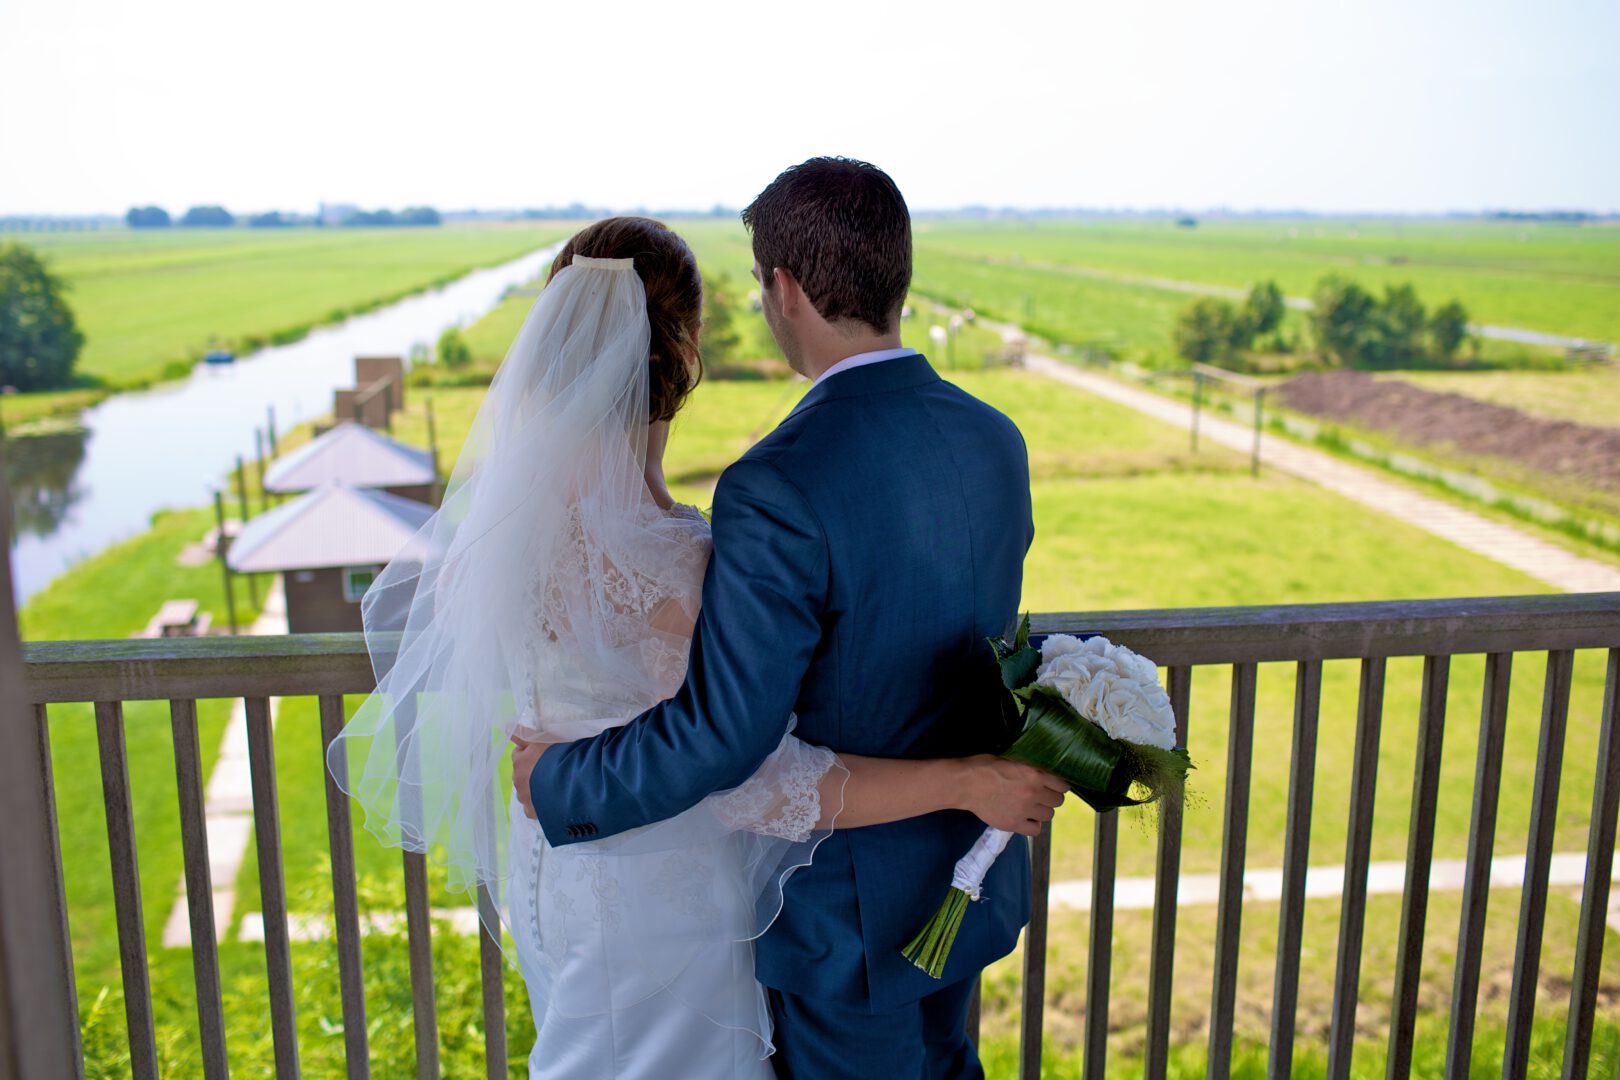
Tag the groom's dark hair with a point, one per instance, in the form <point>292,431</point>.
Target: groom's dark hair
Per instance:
<point>841,228</point>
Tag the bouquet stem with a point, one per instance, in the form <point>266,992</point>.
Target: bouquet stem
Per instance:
<point>931,948</point>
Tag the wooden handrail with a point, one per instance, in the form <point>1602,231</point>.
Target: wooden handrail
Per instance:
<point>166,668</point>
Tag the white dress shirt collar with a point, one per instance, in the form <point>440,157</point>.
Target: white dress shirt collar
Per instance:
<point>862,359</point>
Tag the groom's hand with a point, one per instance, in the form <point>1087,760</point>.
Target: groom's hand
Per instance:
<point>524,754</point>
<point>1011,795</point>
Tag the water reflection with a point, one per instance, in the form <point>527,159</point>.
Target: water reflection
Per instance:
<point>42,473</point>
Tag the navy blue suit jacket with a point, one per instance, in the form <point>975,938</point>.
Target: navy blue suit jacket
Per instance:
<point>863,552</point>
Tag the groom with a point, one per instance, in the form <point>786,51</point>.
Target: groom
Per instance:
<point>863,551</point>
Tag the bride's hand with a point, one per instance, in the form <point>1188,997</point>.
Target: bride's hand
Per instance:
<point>525,753</point>
<point>1010,795</point>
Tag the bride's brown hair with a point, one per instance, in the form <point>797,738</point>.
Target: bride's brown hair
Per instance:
<point>669,272</point>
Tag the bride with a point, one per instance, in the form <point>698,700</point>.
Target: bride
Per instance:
<point>553,595</point>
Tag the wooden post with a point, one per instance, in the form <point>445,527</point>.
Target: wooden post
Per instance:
<point>433,449</point>
<point>225,567</point>
<point>1259,411</point>
<point>39,1021</point>
<point>258,449</point>
<point>241,492</point>
<point>1198,404</point>
<point>270,427</point>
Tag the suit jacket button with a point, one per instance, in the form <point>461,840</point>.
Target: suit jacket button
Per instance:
<point>590,830</point>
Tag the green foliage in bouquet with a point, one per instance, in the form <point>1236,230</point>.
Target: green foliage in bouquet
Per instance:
<point>1103,771</point>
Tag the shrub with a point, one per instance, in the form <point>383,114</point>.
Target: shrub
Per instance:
<point>454,352</point>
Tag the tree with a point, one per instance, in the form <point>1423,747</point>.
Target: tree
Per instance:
<point>1209,331</point>
<point>212,217</point>
<point>1263,310</point>
<point>719,338</point>
<point>39,338</point>
<point>419,215</point>
<point>272,219</point>
<point>1448,329</point>
<point>1341,319</point>
<point>147,217</point>
<point>454,353</point>
<point>1395,337</point>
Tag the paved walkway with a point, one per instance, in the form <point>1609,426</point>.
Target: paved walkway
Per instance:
<point>1504,543</point>
<point>228,801</point>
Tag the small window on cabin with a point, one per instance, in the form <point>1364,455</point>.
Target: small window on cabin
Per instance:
<point>356,580</point>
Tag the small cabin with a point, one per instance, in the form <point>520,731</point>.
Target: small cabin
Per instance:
<point>356,456</point>
<point>329,545</point>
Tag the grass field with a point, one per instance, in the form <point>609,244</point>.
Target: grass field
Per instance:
<point>150,303</point>
<point>1562,279</point>
<point>1125,517</point>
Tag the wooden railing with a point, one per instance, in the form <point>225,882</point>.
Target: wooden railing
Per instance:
<point>328,666</point>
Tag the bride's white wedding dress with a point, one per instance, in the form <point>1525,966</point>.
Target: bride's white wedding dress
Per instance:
<point>550,595</point>
<point>637,949</point>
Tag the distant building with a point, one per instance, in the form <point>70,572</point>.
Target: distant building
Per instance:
<point>356,456</point>
<point>329,544</point>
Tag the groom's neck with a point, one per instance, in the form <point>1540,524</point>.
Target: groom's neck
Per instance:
<point>840,344</point>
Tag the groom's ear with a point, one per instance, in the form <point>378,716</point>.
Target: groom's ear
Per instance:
<point>788,288</point>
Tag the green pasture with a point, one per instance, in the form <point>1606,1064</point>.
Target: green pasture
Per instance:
<point>1125,517</point>
<point>1558,278</point>
<point>151,302</point>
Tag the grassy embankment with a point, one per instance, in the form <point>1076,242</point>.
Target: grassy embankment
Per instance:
<point>150,303</point>
<point>1125,518</point>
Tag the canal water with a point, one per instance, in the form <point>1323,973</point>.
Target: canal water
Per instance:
<point>73,494</point>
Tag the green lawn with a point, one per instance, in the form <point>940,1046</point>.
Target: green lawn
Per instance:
<point>1563,279</point>
<point>1125,517</point>
<point>151,302</point>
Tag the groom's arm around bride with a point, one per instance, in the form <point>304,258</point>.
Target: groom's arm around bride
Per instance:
<point>863,551</point>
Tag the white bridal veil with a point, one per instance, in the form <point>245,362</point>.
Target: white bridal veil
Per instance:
<point>548,593</point>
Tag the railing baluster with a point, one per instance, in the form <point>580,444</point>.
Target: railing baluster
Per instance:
<point>126,876</point>
<point>1477,878</point>
<point>974,1000</point>
<point>1296,855</point>
<point>188,777</point>
<point>1234,844</point>
<point>272,886</point>
<point>1357,853</point>
<point>1537,862</point>
<point>345,908</point>
<point>419,928</point>
<point>1167,874</point>
<point>1595,891</point>
<point>58,982</point>
<point>1419,853</point>
<point>1032,1018</point>
<point>493,975</point>
<point>1099,965</point>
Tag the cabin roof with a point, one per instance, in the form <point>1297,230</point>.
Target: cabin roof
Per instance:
<point>333,525</point>
<point>351,454</point>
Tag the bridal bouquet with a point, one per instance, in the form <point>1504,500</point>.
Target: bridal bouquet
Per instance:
<point>1095,715</point>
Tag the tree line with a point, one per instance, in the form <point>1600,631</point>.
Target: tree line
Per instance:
<point>217,217</point>
<point>1349,326</point>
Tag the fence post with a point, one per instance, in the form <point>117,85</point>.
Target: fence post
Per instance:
<point>264,496</point>
<point>39,1024</point>
<point>224,567</point>
<point>241,494</point>
<point>1198,404</point>
<point>270,428</point>
<point>1259,411</point>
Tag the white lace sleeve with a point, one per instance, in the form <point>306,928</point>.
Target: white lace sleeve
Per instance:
<point>783,797</point>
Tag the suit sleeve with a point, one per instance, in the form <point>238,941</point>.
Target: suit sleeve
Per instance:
<point>755,636</point>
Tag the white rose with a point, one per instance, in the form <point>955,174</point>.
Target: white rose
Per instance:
<point>1110,685</point>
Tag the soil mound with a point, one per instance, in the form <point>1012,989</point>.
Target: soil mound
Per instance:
<point>1427,417</point>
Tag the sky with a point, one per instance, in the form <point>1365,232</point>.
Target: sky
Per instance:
<point>1374,106</point>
